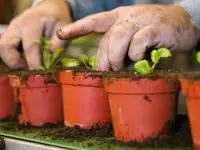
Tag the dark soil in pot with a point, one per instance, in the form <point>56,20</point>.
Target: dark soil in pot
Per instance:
<point>169,75</point>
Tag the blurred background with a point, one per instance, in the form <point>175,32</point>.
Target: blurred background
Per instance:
<point>10,8</point>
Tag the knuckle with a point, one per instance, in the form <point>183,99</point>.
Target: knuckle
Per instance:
<point>15,22</point>
<point>121,8</point>
<point>118,31</point>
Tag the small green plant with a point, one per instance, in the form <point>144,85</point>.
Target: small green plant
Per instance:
<point>49,59</point>
<point>198,57</point>
<point>143,67</point>
<point>89,63</point>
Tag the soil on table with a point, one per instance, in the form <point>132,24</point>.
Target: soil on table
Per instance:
<point>2,144</point>
<point>181,137</point>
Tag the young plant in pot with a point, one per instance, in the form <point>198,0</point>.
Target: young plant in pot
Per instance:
<point>142,102</point>
<point>39,92</point>
<point>190,86</point>
<point>85,100</point>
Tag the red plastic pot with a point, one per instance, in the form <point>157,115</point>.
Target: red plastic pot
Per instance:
<point>85,100</point>
<point>41,102</point>
<point>191,90</point>
<point>141,108</point>
<point>7,100</point>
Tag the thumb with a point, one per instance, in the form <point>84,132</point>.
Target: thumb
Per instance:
<point>100,22</point>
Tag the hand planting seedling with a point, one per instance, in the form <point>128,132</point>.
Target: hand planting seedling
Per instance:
<point>49,59</point>
<point>143,67</point>
<point>80,61</point>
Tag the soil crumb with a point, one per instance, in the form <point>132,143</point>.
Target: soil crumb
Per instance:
<point>77,133</point>
<point>147,98</point>
<point>2,144</point>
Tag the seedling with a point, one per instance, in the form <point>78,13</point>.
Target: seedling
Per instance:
<point>80,61</point>
<point>143,67</point>
<point>49,60</point>
<point>198,57</point>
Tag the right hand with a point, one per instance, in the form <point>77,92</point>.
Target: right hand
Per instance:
<point>29,27</point>
<point>133,30</point>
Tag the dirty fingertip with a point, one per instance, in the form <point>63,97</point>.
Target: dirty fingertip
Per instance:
<point>60,34</point>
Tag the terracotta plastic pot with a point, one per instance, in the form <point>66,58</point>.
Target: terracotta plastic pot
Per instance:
<point>7,100</point>
<point>85,100</point>
<point>191,90</point>
<point>40,98</point>
<point>141,108</point>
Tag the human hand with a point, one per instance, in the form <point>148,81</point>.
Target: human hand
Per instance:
<point>29,27</point>
<point>134,29</point>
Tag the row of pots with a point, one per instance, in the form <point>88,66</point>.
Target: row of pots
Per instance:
<point>139,108</point>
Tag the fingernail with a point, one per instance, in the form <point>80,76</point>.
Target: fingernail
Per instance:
<point>60,34</point>
<point>60,31</point>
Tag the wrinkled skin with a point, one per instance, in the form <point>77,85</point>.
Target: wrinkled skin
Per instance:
<point>42,20</point>
<point>133,30</point>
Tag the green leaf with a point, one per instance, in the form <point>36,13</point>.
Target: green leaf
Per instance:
<point>84,60</point>
<point>160,53</point>
<point>56,56</point>
<point>66,62</point>
<point>47,42</point>
<point>92,62</point>
<point>198,57</point>
<point>155,56</point>
<point>42,68</point>
<point>164,52</point>
<point>143,67</point>
<point>47,62</point>
<point>44,43</point>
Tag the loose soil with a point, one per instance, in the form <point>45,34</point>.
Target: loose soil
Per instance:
<point>77,133</point>
<point>181,137</point>
<point>2,144</point>
<point>124,73</point>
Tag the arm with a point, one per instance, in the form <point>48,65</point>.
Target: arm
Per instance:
<point>192,7</point>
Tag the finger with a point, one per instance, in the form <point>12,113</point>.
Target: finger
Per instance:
<point>145,38</point>
<point>95,23</point>
<point>102,53</point>
<point>8,47</point>
<point>56,42</point>
<point>119,43</point>
<point>31,49</point>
